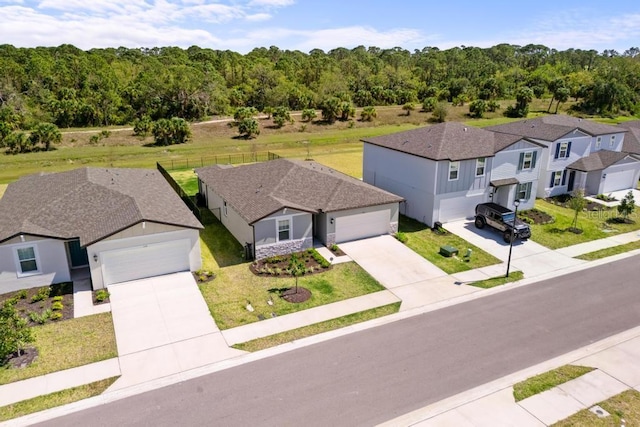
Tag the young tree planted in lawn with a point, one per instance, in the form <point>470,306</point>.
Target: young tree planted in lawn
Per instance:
<point>577,204</point>
<point>14,332</point>
<point>627,205</point>
<point>296,267</point>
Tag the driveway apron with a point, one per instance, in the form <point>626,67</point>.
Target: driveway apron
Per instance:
<point>163,327</point>
<point>390,262</point>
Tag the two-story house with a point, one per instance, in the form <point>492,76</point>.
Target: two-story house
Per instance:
<point>578,154</point>
<point>443,171</point>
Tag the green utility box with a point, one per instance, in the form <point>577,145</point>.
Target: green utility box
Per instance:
<point>448,251</point>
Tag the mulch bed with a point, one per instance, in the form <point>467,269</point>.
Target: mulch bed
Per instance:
<point>536,216</point>
<point>203,276</point>
<point>279,265</point>
<point>25,305</point>
<point>290,295</point>
<point>94,297</point>
<point>337,252</point>
<point>589,205</point>
<point>28,356</point>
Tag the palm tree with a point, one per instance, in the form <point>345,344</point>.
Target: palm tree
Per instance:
<point>45,134</point>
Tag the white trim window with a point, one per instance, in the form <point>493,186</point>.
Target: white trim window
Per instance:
<point>612,141</point>
<point>523,191</point>
<point>480,165</point>
<point>284,229</point>
<point>563,151</point>
<point>598,142</point>
<point>557,178</point>
<point>454,168</point>
<point>527,160</point>
<point>27,261</point>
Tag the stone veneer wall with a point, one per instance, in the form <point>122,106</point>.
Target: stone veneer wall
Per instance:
<point>393,227</point>
<point>283,248</point>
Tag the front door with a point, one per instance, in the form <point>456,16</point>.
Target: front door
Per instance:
<point>77,254</point>
<point>572,180</point>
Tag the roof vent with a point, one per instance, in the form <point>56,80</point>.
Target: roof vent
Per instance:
<point>465,129</point>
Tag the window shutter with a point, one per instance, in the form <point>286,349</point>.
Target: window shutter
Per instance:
<point>533,159</point>
<point>521,161</point>
<point>553,175</point>
<point>557,150</point>
<point>564,177</point>
<point>528,195</point>
<point>568,148</point>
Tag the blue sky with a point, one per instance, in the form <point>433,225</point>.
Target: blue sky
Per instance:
<point>241,25</point>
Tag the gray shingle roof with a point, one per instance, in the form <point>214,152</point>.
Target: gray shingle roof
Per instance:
<point>597,161</point>
<point>550,128</point>
<point>258,190</point>
<point>446,141</point>
<point>89,204</point>
<point>631,143</point>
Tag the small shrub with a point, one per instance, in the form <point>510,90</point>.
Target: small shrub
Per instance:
<point>43,294</point>
<point>57,298</point>
<point>277,271</point>
<point>334,247</point>
<point>40,318</point>
<point>402,237</point>
<point>57,306</point>
<point>309,270</point>
<point>22,294</point>
<point>56,316</point>
<point>102,295</point>
<point>319,258</point>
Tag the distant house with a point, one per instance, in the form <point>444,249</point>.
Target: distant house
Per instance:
<point>280,206</point>
<point>578,154</point>
<point>122,224</point>
<point>443,171</point>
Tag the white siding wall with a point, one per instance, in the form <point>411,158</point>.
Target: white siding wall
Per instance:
<point>506,166</point>
<point>233,222</point>
<point>408,176</point>
<point>138,239</point>
<point>606,142</point>
<point>53,264</point>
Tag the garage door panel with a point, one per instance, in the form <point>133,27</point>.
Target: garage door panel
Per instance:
<point>122,265</point>
<point>458,208</point>
<point>360,226</point>
<point>621,180</point>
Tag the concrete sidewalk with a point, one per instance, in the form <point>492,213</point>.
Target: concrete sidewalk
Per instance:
<point>617,363</point>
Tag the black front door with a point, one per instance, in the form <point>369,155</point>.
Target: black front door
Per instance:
<point>77,254</point>
<point>572,179</point>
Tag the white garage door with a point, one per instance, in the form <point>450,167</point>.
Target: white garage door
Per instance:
<point>360,226</point>
<point>621,180</point>
<point>458,208</point>
<point>122,265</point>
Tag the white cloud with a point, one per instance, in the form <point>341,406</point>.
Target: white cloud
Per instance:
<point>258,17</point>
<point>271,3</point>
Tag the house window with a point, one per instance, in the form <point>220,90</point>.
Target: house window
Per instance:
<point>612,141</point>
<point>27,260</point>
<point>527,160</point>
<point>454,167</point>
<point>480,166</point>
<point>224,207</point>
<point>562,150</point>
<point>556,178</point>
<point>523,192</point>
<point>598,142</point>
<point>284,229</point>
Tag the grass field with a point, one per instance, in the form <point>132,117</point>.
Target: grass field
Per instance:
<point>3,187</point>
<point>548,380</point>
<point>337,145</point>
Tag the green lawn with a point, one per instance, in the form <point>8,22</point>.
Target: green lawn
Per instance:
<point>318,328</point>
<point>218,247</point>
<point>52,400</point>
<point>498,281</point>
<point>187,179</point>
<point>624,406</point>
<point>427,244</point>
<point>235,286</point>
<point>67,344</point>
<point>615,250</point>
<point>548,380</point>
<point>594,226</point>
<point>3,188</point>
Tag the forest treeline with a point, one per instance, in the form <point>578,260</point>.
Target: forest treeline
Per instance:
<point>70,87</point>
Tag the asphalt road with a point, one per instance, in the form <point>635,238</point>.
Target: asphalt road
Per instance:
<point>378,374</point>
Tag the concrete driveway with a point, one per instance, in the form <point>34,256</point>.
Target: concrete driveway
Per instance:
<point>390,262</point>
<point>529,257</point>
<point>163,327</point>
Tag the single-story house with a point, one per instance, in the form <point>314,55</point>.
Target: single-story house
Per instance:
<point>122,224</point>
<point>443,171</point>
<point>278,207</point>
